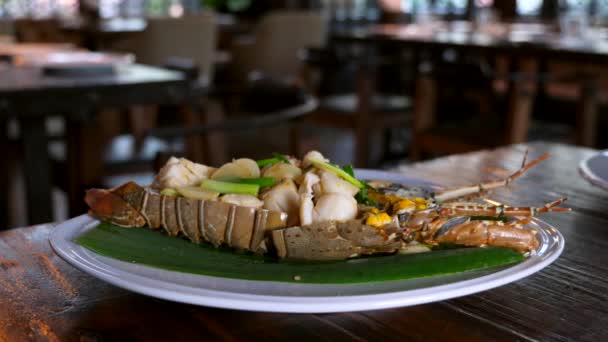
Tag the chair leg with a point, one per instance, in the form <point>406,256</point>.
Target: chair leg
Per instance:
<point>142,118</point>
<point>4,174</point>
<point>209,148</point>
<point>587,115</point>
<point>215,141</point>
<point>85,147</point>
<point>365,91</point>
<point>387,138</point>
<point>295,138</point>
<point>521,99</point>
<point>362,143</point>
<point>195,149</point>
<point>424,113</point>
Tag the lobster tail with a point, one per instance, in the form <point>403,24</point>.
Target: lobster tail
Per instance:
<point>218,223</point>
<point>111,206</point>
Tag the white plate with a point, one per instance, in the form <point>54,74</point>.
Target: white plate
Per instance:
<point>595,169</point>
<point>289,297</point>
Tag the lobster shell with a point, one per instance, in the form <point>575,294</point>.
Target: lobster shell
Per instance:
<point>332,240</point>
<point>219,223</point>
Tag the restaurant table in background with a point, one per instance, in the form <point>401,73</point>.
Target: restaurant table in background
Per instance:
<point>517,39</point>
<point>27,53</point>
<point>527,48</point>
<point>44,298</point>
<point>27,94</point>
<point>100,35</point>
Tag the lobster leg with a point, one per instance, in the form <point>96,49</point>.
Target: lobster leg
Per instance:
<point>480,233</point>
<point>474,209</point>
<point>478,188</point>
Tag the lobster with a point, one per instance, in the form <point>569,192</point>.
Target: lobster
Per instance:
<point>440,220</point>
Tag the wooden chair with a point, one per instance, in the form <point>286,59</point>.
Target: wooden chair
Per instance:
<point>7,28</point>
<point>272,55</point>
<point>273,51</point>
<point>497,120</point>
<point>363,111</point>
<point>41,31</point>
<point>187,43</point>
<point>585,88</point>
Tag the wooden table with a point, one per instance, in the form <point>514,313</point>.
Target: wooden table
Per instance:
<point>524,40</point>
<point>30,96</point>
<point>526,47</point>
<point>43,298</point>
<point>29,53</point>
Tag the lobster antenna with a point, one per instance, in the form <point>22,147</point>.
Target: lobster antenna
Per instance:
<point>477,188</point>
<point>523,163</point>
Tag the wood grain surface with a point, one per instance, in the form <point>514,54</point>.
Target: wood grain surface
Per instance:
<point>43,298</point>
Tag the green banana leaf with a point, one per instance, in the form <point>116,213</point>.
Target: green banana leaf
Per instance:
<point>153,248</point>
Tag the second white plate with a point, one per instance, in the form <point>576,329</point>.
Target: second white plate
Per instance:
<point>595,169</point>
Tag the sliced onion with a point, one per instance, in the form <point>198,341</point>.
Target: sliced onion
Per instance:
<point>281,171</point>
<point>240,168</point>
<point>195,192</point>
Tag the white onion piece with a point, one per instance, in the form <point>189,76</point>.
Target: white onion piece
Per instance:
<point>195,192</point>
<point>179,172</point>
<point>240,168</point>
<point>282,170</point>
<point>312,155</point>
<point>283,197</point>
<point>242,200</point>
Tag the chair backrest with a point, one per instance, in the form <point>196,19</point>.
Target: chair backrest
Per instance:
<point>191,37</point>
<point>38,30</point>
<point>7,27</point>
<point>281,34</point>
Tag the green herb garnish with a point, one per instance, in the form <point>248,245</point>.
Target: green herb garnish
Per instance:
<point>263,182</point>
<point>361,196</point>
<point>281,157</point>
<point>338,171</point>
<point>276,158</point>
<point>230,188</point>
<point>169,192</point>
<point>349,169</point>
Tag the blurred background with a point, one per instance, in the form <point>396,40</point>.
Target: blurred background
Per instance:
<point>96,92</point>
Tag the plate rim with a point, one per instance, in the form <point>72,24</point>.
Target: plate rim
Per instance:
<point>172,291</point>
<point>589,175</point>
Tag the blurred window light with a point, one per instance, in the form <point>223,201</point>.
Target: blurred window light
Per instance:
<point>484,3</point>
<point>437,6</point>
<point>529,7</point>
<point>575,4</point>
<point>176,9</point>
<point>107,8</point>
<point>38,8</point>
<point>459,6</point>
